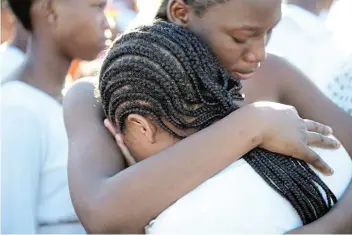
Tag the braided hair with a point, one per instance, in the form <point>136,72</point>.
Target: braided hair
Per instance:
<point>164,72</point>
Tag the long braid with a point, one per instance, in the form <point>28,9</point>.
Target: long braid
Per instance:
<point>166,73</point>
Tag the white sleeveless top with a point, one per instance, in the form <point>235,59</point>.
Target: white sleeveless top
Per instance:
<point>237,200</point>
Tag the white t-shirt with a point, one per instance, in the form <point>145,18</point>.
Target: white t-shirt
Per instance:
<point>238,201</point>
<point>11,58</point>
<point>34,151</point>
<point>303,39</point>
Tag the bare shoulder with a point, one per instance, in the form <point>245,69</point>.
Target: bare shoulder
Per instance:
<point>84,89</point>
<point>285,76</point>
<point>265,85</point>
<point>81,105</point>
<point>278,64</point>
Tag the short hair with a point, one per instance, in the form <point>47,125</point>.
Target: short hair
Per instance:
<point>22,9</point>
<point>166,73</point>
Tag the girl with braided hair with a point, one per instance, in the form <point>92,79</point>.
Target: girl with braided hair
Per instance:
<point>236,30</point>
<point>159,84</point>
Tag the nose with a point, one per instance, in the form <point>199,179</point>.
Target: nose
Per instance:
<point>256,52</point>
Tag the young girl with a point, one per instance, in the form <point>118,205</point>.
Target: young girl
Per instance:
<point>278,128</point>
<point>34,151</point>
<point>160,84</point>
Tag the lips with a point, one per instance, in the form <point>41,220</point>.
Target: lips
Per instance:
<point>243,76</point>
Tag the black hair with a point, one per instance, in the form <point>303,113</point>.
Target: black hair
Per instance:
<point>22,9</point>
<point>164,72</point>
<point>198,6</point>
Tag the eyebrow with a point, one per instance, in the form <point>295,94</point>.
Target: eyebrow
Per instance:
<point>249,27</point>
<point>256,28</point>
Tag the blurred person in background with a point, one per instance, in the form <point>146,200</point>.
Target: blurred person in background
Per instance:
<point>303,39</point>
<point>14,39</point>
<point>35,195</point>
<point>121,13</point>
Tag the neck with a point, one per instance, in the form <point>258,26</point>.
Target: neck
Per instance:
<point>20,38</point>
<point>45,68</point>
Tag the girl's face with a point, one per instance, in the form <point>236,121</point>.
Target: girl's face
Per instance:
<point>237,31</point>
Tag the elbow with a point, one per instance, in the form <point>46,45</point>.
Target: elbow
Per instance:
<point>97,219</point>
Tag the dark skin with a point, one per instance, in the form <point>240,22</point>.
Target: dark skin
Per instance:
<point>120,188</point>
<point>56,42</point>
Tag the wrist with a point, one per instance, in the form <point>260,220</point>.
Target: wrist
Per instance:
<point>256,128</point>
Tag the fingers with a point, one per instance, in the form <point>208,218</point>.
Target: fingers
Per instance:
<point>322,141</point>
<point>126,153</point>
<point>119,140</point>
<point>108,124</point>
<point>308,155</point>
<point>318,127</point>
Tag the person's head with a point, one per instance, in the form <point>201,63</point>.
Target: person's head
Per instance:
<point>236,30</point>
<point>74,27</point>
<point>158,88</point>
<point>160,83</point>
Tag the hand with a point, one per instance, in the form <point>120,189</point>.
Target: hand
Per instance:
<point>119,140</point>
<point>286,133</point>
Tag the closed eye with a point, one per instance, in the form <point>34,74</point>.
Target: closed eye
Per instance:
<point>239,41</point>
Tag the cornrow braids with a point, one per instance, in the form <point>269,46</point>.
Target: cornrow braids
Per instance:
<point>164,72</point>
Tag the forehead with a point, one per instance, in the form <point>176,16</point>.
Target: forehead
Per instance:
<point>239,13</point>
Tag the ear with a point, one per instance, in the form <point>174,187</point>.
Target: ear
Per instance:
<point>145,126</point>
<point>47,9</point>
<point>178,12</point>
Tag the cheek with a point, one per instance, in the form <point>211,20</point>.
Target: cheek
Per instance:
<point>226,50</point>
<point>82,38</point>
<point>222,45</point>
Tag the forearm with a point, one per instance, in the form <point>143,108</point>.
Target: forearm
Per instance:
<point>129,200</point>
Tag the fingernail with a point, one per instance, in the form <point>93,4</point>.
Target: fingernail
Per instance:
<point>331,171</point>
<point>119,139</point>
<point>337,144</point>
<point>106,123</point>
<point>330,131</point>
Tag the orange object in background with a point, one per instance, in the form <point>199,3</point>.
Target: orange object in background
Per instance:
<point>72,73</point>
